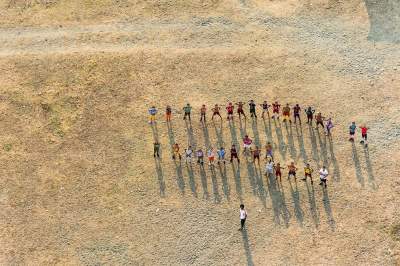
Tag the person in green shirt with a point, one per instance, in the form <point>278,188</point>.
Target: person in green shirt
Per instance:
<point>187,109</point>
<point>156,149</point>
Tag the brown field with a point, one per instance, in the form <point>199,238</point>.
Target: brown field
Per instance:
<point>79,184</point>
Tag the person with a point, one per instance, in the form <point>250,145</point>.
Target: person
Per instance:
<point>310,114</point>
<point>176,153</point>
<point>246,143</point>
<point>252,106</point>
<point>275,110</point>
<point>240,110</point>
<point>229,110</point>
<point>256,154</point>
<point>269,168</point>
<point>211,156</point>
<point>216,112</point>
<point>268,149</point>
<point>319,120</point>
<point>156,149</point>
<point>308,172</point>
<point>278,172</point>
<point>286,113</point>
<point>265,106</point>
<point>221,155</point>
<point>188,154</point>
<point>329,126</point>
<point>323,174</point>
<point>203,111</point>
<point>352,130</point>
<point>234,154</point>
<point>187,109</point>
<point>364,130</point>
<point>168,113</point>
<point>292,170</point>
<point>152,114</point>
<point>200,156</point>
<point>243,217</point>
<point>296,113</point>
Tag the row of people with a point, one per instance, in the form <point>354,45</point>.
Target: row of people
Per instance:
<point>230,107</point>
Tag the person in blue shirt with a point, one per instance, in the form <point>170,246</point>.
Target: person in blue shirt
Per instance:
<point>152,113</point>
<point>352,130</point>
<point>221,155</point>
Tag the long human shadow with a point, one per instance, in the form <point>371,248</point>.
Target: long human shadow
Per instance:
<point>257,178</point>
<point>246,245</point>
<point>178,166</point>
<point>224,179</point>
<point>371,178</point>
<point>289,135</point>
<point>281,144</point>
<point>203,178</point>
<point>189,131</point>
<point>357,165</point>
<point>254,127</point>
<point>234,138</point>
<point>336,168</point>
<point>238,183</point>
<point>300,141</point>
<point>207,141</point>
<point>384,17</point>
<point>328,210</point>
<point>296,203</point>
<point>192,181</point>
<point>313,205</point>
<point>155,131</point>
<point>217,197</point>
<point>160,176</point>
<point>219,134</point>
<point>314,146</point>
<point>322,147</point>
<point>278,201</point>
<point>268,130</point>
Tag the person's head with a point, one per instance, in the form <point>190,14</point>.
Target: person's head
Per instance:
<point>323,167</point>
<point>297,105</point>
<point>291,163</point>
<point>203,105</point>
<point>188,104</point>
<point>216,105</point>
<point>233,146</point>
<point>353,123</point>
<point>252,101</point>
<point>309,107</point>
<point>308,165</point>
<point>265,101</point>
<point>222,148</point>
<point>230,103</point>
<point>246,136</point>
<point>256,147</point>
<point>153,107</point>
<point>269,143</point>
<point>278,164</point>
<point>190,147</point>
<point>276,102</point>
<point>287,105</point>
<point>241,206</point>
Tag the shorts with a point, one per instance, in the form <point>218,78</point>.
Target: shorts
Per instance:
<point>216,113</point>
<point>352,133</point>
<point>152,117</point>
<point>307,174</point>
<point>240,111</point>
<point>168,115</point>
<point>256,157</point>
<point>310,117</point>
<point>211,159</point>
<point>364,136</point>
<point>286,117</point>
<point>278,174</point>
<point>269,153</point>
<point>292,173</point>
<point>230,112</point>
<point>246,145</point>
<point>234,155</point>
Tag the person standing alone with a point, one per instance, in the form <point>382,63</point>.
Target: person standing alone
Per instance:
<point>243,216</point>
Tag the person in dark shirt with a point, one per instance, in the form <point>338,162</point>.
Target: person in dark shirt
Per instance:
<point>296,113</point>
<point>252,106</point>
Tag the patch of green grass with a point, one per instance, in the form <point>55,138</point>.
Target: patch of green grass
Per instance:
<point>395,232</point>
<point>7,147</point>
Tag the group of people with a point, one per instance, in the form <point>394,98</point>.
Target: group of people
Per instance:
<point>277,110</point>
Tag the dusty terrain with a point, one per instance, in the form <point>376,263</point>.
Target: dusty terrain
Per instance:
<point>79,185</point>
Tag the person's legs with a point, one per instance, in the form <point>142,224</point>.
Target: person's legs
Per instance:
<point>242,223</point>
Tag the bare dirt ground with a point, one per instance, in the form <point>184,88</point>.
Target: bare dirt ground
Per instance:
<point>79,185</point>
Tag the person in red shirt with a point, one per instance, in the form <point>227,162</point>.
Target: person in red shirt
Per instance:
<point>168,113</point>
<point>296,113</point>
<point>256,154</point>
<point>275,109</point>
<point>240,109</point>
<point>265,106</point>
<point>278,172</point>
<point>364,130</point>
<point>216,112</point>
<point>229,109</point>
<point>203,111</point>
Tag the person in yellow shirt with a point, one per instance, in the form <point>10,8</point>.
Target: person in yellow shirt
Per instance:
<point>308,172</point>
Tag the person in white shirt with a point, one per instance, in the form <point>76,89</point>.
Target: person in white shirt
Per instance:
<point>188,154</point>
<point>323,174</point>
<point>269,168</point>
<point>211,156</point>
<point>243,216</point>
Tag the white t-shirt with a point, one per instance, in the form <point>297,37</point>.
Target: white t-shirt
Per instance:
<point>189,153</point>
<point>243,214</point>
<point>269,167</point>
<point>323,173</point>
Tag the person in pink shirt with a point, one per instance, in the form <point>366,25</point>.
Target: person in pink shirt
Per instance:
<point>246,143</point>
